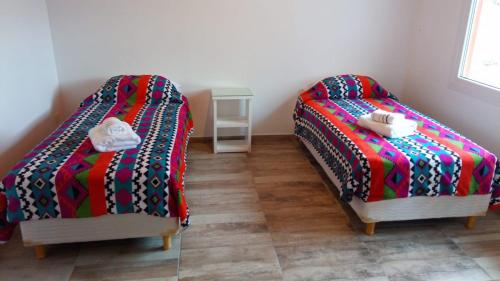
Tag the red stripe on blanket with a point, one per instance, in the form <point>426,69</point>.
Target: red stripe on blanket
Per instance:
<point>467,160</point>
<point>98,172</point>
<point>367,87</point>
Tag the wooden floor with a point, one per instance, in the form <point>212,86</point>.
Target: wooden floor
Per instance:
<point>129,259</point>
<point>271,215</point>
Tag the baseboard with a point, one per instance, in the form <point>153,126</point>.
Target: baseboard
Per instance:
<point>256,138</point>
<point>200,139</point>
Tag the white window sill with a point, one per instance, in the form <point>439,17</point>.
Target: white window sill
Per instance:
<point>475,89</point>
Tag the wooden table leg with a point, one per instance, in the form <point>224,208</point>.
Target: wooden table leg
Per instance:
<point>167,242</point>
<point>370,228</point>
<point>471,223</point>
<point>40,251</point>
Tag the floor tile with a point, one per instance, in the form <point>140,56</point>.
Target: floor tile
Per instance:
<point>272,215</point>
<point>490,264</point>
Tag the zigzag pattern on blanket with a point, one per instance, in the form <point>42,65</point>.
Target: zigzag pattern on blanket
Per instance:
<point>349,86</point>
<point>65,177</point>
<point>435,161</point>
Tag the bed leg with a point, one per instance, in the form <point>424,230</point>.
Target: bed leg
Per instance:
<point>167,242</point>
<point>370,228</point>
<point>471,223</point>
<point>40,251</point>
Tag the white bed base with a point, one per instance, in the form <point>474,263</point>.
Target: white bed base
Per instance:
<point>410,208</point>
<point>108,227</point>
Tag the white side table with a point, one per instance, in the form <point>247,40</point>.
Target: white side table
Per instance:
<point>243,120</point>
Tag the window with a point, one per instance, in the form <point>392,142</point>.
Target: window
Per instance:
<point>481,54</point>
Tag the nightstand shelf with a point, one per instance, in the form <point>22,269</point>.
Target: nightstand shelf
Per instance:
<point>232,122</point>
<point>243,120</point>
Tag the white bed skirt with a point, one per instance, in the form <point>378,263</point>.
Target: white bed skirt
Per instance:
<point>410,208</point>
<point>107,227</point>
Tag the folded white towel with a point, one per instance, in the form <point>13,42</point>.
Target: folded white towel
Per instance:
<point>386,117</point>
<point>403,127</point>
<point>114,148</point>
<point>115,126</point>
<point>113,135</point>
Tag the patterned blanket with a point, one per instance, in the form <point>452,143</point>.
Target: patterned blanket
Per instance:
<point>436,161</point>
<point>65,177</point>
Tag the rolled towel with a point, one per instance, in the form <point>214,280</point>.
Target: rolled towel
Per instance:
<point>103,139</point>
<point>386,117</point>
<point>403,127</point>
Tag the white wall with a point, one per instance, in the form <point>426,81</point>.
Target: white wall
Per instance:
<point>429,86</point>
<point>28,78</point>
<point>275,47</point>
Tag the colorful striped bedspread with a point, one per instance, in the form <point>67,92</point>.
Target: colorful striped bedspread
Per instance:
<point>65,177</point>
<point>435,161</point>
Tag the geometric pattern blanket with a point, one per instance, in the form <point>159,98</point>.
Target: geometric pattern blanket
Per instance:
<point>65,177</point>
<point>435,161</point>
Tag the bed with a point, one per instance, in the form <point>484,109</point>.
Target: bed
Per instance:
<point>435,173</point>
<point>65,191</point>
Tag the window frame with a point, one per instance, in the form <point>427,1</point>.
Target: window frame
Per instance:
<point>457,81</point>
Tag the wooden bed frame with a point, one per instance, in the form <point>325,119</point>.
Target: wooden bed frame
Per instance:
<point>410,208</point>
<point>38,233</point>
